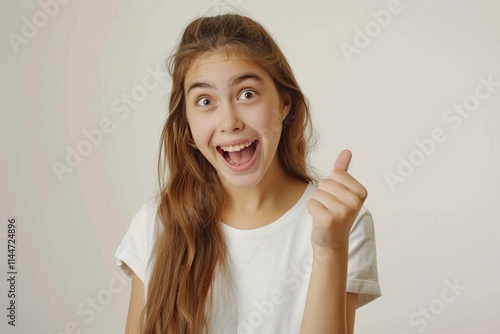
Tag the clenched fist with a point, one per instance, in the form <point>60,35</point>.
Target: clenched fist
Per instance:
<point>335,205</point>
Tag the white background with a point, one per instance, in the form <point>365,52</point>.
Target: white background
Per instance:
<point>441,224</point>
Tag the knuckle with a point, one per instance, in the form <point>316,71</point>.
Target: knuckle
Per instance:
<point>322,183</point>
<point>364,193</point>
<point>343,211</point>
<point>355,201</point>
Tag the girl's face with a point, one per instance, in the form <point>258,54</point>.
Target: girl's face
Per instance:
<point>235,114</point>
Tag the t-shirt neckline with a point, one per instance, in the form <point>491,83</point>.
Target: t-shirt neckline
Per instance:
<point>261,232</point>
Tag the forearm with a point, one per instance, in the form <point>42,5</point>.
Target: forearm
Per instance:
<point>325,309</point>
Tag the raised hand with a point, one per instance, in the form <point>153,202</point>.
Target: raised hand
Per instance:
<point>335,205</point>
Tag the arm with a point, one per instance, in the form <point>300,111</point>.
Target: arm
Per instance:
<point>329,309</point>
<point>325,310</point>
<point>334,207</point>
<point>136,305</point>
<point>351,305</point>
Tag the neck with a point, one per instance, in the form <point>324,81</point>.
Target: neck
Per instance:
<point>266,195</point>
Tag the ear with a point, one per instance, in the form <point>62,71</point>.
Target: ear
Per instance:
<point>286,104</point>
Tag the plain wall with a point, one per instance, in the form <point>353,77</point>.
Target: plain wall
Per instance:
<point>437,222</point>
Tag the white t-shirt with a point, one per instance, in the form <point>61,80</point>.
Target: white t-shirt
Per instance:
<point>271,266</point>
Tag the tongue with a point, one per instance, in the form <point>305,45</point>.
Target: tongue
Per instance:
<point>243,156</point>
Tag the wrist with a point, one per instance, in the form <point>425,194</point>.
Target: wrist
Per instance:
<point>321,253</point>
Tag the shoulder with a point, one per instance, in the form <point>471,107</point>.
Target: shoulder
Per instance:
<point>142,226</point>
<point>147,211</point>
<point>363,223</point>
<point>136,245</point>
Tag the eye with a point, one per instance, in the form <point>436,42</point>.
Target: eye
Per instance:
<point>247,94</point>
<point>202,102</point>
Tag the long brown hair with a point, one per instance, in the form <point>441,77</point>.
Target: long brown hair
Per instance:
<point>190,249</point>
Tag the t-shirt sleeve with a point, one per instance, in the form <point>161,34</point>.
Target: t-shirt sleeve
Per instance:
<point>135,248</point>
<point>362,276</point>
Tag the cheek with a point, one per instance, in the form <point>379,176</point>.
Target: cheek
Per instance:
<point>200,130</point>
<point>198,134</point>
<point>271,123</point>
<point>194,126</point>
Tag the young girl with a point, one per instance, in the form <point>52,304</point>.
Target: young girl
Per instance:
<point>241,239</point>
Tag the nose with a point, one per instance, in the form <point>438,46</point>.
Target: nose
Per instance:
<point>229,118</point>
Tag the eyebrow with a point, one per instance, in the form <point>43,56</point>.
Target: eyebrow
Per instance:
<point>237,80</point>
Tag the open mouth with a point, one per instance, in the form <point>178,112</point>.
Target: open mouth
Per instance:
<point>238,155</point>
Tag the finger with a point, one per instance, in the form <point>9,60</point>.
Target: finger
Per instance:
<point>321,214</point>
<point>343,160</point>
<point>330,188</point>
<point>346,180</point>
<point>316,208</point>
<point>342,188</point>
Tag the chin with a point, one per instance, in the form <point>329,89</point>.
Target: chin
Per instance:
<point>239,181</point>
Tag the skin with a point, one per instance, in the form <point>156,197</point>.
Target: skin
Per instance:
<point>220,109</point>
<point>136,305</point>
<point>334,207</point>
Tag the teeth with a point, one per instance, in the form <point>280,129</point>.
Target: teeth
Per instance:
<point>236,148</point>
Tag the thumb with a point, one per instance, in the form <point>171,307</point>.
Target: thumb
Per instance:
<point>343,160</point>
